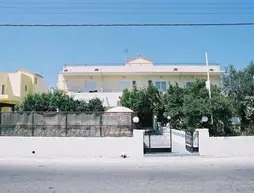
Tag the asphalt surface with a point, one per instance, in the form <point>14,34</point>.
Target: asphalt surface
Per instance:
<point>149,175</point>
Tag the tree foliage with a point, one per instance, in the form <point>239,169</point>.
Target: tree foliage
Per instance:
<point>145,102</point>
<point>173,102</point>
<point>188,105</point>
<point>185,105</point>
<point>239,86</point>
<point>58,100</point>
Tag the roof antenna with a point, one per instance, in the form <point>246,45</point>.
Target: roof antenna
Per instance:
<point>126,51</point>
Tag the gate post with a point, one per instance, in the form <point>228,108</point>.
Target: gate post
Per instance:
<point>192,147</point>
<point>101,125</point>
<point>171,140</point>
<point>0,122</point>
<point>149,135</point>
<point>33,123</point>
<point>66,124</point>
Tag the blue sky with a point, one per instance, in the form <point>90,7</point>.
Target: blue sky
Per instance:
<point>46,50</point>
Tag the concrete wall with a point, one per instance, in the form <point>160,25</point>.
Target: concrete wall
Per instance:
<point>26,81</point>
<point>3,81</point>
<point>41,85</point>
<point>14,84</point>
<point>72,147</point>
<point>225,146</point>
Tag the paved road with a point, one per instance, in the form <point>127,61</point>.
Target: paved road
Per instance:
<point>151,175</point>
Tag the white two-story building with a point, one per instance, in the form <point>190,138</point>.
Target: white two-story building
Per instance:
<point>107,82</point>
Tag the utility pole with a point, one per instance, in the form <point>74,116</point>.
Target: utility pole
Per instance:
<point>208,83</point>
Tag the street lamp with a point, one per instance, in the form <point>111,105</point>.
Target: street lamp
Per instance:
<point>169,118</point>
<point>204,119</point>
<point>135,121</point>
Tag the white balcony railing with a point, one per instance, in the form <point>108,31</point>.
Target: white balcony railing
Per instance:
<point>3,96</point>
<point>105,90</point>
<point>109,99</point>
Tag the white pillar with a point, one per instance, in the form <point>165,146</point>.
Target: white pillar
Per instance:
<point>203,137</point>
<point>138,136</point>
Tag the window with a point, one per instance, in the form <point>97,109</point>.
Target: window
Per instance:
<point>188,84</point>
<point>90,86</point>
<point>3,91</point>
<point>123,84</point>
<point>26,88</point>
<point>35,80</point>
<point>161,85</point>
<point>134,84</point>
<point>150,82</point>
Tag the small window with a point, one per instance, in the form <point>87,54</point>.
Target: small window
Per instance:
<point>161,85</point>
<point>96,69</point>
<point>35,80</point>
<point>175,69</point>
<point>211,70</point>
<point>134,84</point>
<point>26,88</point>
<point>3,91</point>
<point>188,84</point>
<point>150,82</point>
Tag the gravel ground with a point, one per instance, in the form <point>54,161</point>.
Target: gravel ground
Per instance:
<point>165,174</point>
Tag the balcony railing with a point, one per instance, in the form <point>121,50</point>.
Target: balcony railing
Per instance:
<point>3,96</point>
<point>94,91</point>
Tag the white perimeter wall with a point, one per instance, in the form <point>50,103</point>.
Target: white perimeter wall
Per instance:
<point>225,146</point>
<point>72,147</point>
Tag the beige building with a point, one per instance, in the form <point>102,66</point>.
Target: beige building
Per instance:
<point>15,86</point>
<point>107,82</point>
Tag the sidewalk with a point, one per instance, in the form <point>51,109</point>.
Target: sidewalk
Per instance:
<point>188,160</point>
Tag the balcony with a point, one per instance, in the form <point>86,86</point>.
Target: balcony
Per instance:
<point>109,99</point>
<point>9,99</point>
<point>4,96</point>
<point>77,90</point>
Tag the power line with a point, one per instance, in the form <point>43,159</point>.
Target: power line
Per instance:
<point>125,7</point>
<point>129,25</point>
<point>125,1</point>
<point>130,13</point>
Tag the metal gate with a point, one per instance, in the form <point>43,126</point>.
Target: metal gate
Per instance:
<point>156,142</point>
<point>191,142</point>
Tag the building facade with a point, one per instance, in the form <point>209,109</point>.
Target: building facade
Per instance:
<point>108,82</point>
<point>15,86</point>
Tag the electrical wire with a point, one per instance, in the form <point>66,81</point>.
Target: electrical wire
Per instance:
<point>129,25</point>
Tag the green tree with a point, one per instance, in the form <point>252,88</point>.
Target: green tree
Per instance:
<point>145,102</point>
<point>197,104</point>
<point>58,100</point>
<point>239,84</point>
<point>173,102</point>
<point>188,105</point>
